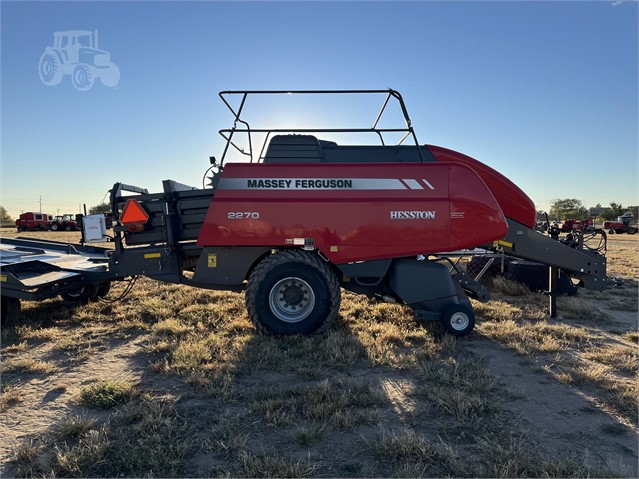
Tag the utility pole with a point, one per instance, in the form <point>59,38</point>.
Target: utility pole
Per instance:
<point>40,210</point>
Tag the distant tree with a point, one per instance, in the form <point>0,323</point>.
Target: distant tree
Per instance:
<point>616,209</point>
<point>101,208</point>
<point>635,211</point>
<point>4,216</point>
<point>568,208</point>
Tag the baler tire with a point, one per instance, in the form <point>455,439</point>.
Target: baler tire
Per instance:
<point>54,227</point>
<point>309,270</point>
<point>10,311</point>
<point>83,295</point>
<point>631,230</point>
<point>458,320</point>
<point>477,263</point>
<point>535,277</point>
<point>103,289</point>
<point>611,232</point>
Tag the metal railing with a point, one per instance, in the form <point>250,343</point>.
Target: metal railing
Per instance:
<point>228,134</point>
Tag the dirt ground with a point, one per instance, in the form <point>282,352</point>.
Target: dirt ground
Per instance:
<point>378,396</point>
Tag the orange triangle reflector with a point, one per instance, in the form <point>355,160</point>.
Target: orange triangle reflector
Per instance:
<point>133,213</point>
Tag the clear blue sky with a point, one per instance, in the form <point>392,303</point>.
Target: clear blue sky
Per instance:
<point>545,92</point>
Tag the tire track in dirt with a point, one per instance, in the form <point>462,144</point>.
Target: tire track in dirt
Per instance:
<point>558,414</point>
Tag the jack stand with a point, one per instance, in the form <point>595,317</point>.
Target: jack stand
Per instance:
<point>553,278</point>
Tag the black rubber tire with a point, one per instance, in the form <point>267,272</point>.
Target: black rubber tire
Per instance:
<point>631,230</point>
<point>67,228</point>
<point>309,268</point>
<point>10,311</point>
<point>458,320</point>
<point>103,289</point>
<point>477,263</point>
<point>611,232</point>
<point>84,295</point>
<point>54,227</point>
<point>535,276</point>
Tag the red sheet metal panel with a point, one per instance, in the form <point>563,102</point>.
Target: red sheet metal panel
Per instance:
<point>353,212</point>
<point>513,201</point>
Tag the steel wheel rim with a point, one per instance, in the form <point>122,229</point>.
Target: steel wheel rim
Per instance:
<point>459,321</point>
<point>291,299</point>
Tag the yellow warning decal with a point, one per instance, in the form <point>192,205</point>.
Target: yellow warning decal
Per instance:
<point>3,278</point>
<point>212,260</point>
<point>334,249</point>
<point>152,255</point>
<point>507,244</point>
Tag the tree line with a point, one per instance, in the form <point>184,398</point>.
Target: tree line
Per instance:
<point>571,208</point>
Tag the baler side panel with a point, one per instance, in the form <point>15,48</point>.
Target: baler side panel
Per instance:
<point>358,221</point>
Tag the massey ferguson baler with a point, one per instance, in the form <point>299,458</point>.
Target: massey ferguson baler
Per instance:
<point>308,216</point>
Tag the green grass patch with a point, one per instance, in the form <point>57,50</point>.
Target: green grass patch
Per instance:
<point>106,394</point>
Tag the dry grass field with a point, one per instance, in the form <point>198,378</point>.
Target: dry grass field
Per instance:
<point>174,381</point>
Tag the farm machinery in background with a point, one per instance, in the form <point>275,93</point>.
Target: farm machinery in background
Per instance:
<point>64,223</point>
<point>572,225</point>
<point>34,221</point>
<point>622,225</point>
<point>306,216</point>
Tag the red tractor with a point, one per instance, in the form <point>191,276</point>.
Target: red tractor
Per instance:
<point>64,223</point>
<point>622,225</point>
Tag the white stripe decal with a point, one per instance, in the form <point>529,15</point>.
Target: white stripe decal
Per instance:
<point>428,184</point>
<point>311,184</point>
<point>413,184</point>
<point>377,184</point>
